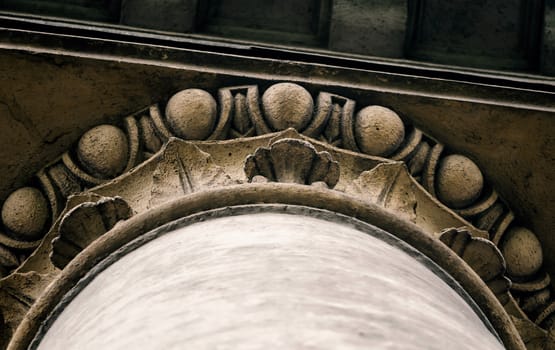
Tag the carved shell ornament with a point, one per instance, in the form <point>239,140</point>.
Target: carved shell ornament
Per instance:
<point>309,167</point>
<point>199,140</point>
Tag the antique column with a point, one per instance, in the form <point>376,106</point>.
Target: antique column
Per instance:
<point>262,277</point>
<point>270,214</point>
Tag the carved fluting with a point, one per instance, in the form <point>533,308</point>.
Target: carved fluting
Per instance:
<point>333,121</point>
<point>85,223</point>
<point>484,258</point>
<point>240,114</point>
<point>292,161</point>
<point>390,186</point>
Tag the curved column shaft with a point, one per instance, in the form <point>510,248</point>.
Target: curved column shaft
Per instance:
<point>268,281</point>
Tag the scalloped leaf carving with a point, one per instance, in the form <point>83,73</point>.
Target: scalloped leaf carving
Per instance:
<point>85,223</point>
<point>292,161</point>
<point>482,256</point>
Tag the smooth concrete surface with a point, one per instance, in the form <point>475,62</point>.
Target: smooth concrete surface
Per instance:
<point>268,281</point>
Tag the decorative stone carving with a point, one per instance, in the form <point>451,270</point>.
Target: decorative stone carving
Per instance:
<point>112,160</point>
<point>378,130</point>
<point>522,251</point>
<point>240,106</point>
<point>108,159</point>
<point>546,318</point>
<point>484,258</point>
<point>191,114</point>
<point>389,185</point>
<point>25,213</point>
<point>183,168</point>
<point>375,130</point>
<point>85,223</point>
<point>292,160</point>
<point>459,182</point>
<point>333,121</point>
<point>286,106</point>
<point>17,293</point>
<point>534,337</point>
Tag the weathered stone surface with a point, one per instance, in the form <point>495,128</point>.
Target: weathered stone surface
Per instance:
<point>85,223</point>
<point>533,336</point>
<point>389,185</point>
<point>100,91</point>
<point>374,28</point>
<point>535,302</point>
<point>191,114</point>
<point>514,176</point>
<point>25,213</point>
<point>333,121</point>
<point>548,43</point>
<point>169,15</point>
<point>287,105</point>
<point>483,256</point>
<point>308,166</point>
<point>183,168</point>
<point>379,131</point>
<point>103,151</point>
<point>8,261</point>
<point>246,194</point>
<point>240,107</point>
<point>17,293</point>
<point>459,181</point>
<point>522,251</point>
